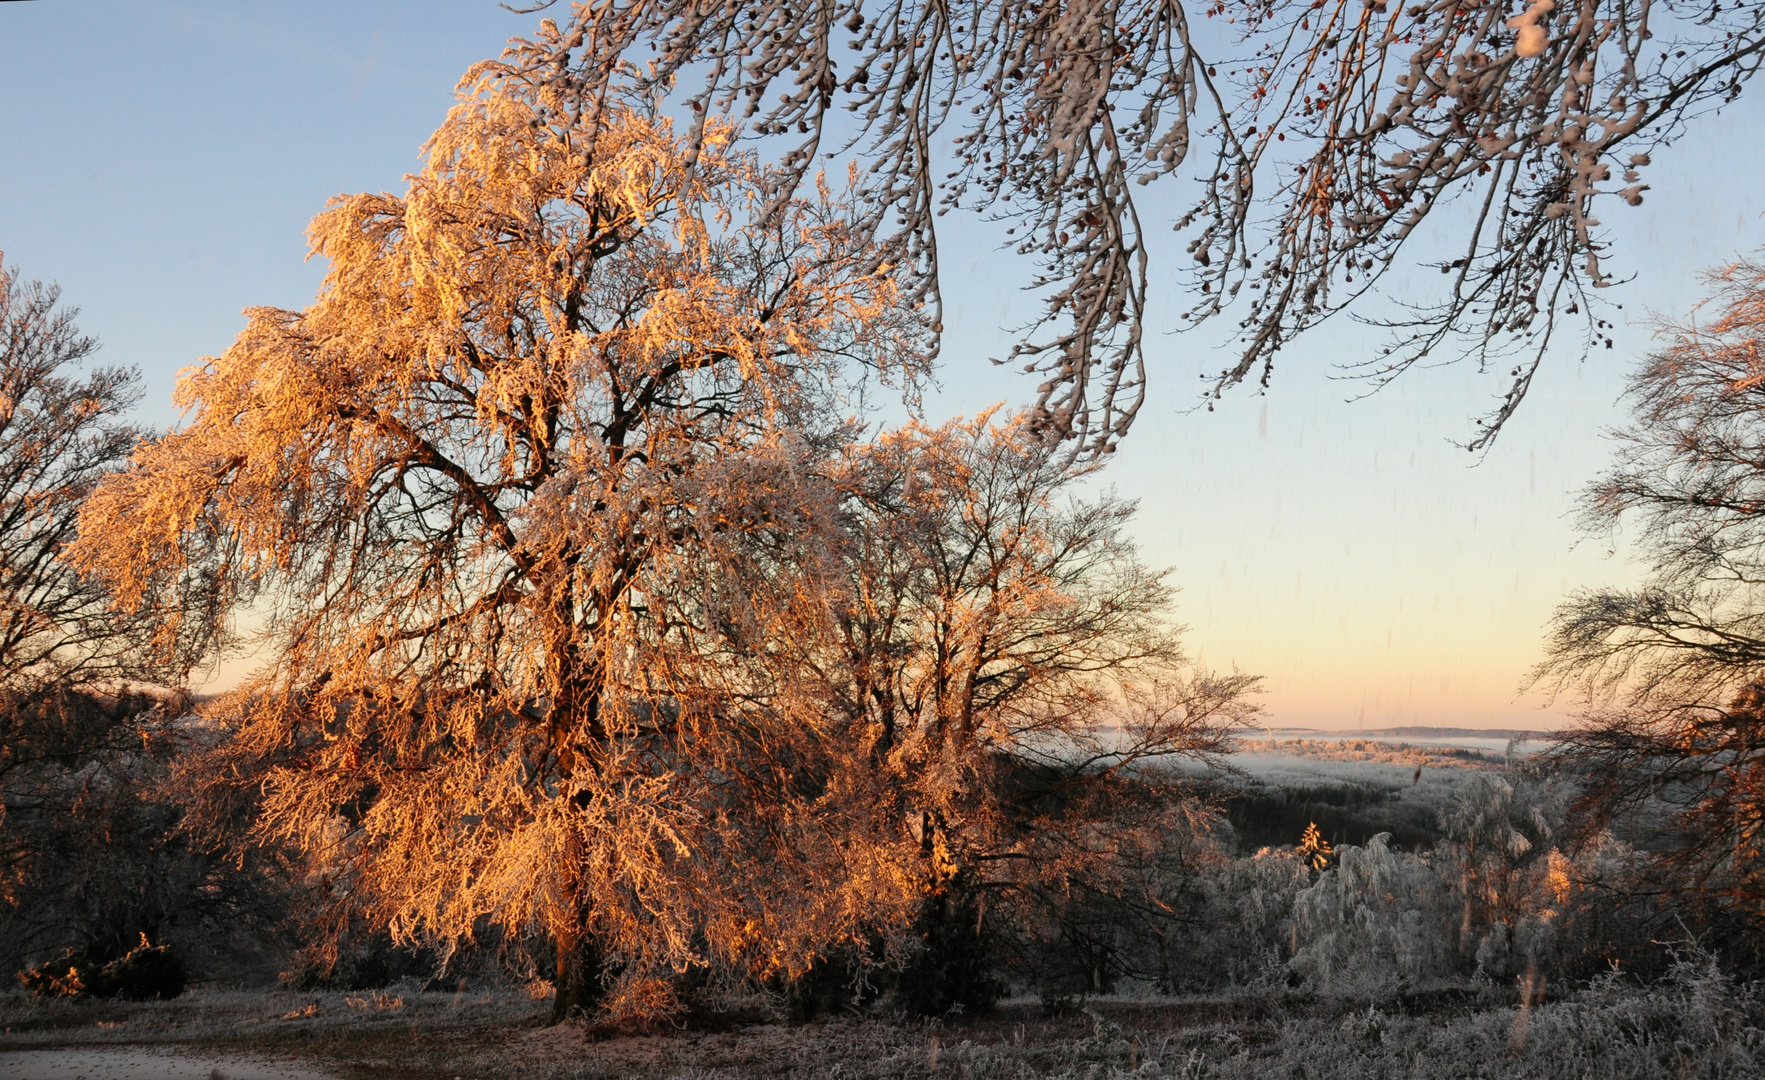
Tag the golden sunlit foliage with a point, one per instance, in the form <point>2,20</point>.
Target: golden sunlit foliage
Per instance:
<point>587,617</point>
<point>1314,849</point>
<point>488,490</point>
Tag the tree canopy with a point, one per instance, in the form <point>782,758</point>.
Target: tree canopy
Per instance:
<point>1323,133</point>
<point>1690,473</point>
<point>589,615</point>
<point>1672,669</point>
<point>485,489</point>
<point>61,431</point>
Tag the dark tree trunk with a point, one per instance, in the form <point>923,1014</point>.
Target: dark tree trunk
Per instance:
<point>579,986</point>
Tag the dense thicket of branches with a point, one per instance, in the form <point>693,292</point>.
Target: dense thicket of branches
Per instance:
<point>1673,667</point>
<point>91,850</point>
<point>1323,134</point>
<point>1010,667</point>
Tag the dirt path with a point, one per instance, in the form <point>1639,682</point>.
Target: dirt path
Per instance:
<point>144,1063</point>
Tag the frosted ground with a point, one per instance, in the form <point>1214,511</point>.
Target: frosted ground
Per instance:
<point>148,1063</point>
<point>1355,784</point>
<point>1303,755</point>
<point>1497,741</point>
<point>1693,1024</point>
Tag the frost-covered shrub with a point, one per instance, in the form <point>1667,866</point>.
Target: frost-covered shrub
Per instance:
<point>1509,879</point>
<point>1376,915</point>
<point>1497,897</point>
<point>1490,898</point>
<point>1243,934</point>
<point>1692,1023</point>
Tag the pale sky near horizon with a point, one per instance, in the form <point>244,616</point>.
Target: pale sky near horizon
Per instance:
<point>161,162</point>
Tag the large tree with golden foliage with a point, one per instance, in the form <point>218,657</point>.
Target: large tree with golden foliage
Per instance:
<point>503,501</point>
<point>588,615</point>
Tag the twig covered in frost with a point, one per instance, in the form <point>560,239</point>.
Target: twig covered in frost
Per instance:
<point>1327,131</point>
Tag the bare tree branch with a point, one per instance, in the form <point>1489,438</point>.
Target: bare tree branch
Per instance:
<point>1328,132</point>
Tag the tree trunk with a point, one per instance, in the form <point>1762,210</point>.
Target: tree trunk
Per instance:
<point>579,986</point>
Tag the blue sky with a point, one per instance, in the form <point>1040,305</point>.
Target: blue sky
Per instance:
<point>161,161</point>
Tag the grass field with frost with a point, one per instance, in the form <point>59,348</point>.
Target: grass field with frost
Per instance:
<point>1694,1025</point>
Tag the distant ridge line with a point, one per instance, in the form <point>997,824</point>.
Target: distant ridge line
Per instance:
<point>1423,732</point>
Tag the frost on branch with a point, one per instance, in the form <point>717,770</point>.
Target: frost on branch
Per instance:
<point>1323,132</point>
<point>1688,477</point>
<point>61,432</point>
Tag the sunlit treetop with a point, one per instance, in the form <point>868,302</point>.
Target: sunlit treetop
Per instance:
<point>487,493</point>
<point>1323,133</point>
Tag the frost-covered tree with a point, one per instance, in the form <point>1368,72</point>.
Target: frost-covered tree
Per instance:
<point>1487,898</point>
<point>491,494</point>
<point>589,616</point>
<point>85,859</point>
<point>1511,881</point>
<point>1323,133</point>
<point>1375,915</point>
<point>1016,682</point>
<point>1672,668</point>
<point>61,430</point>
